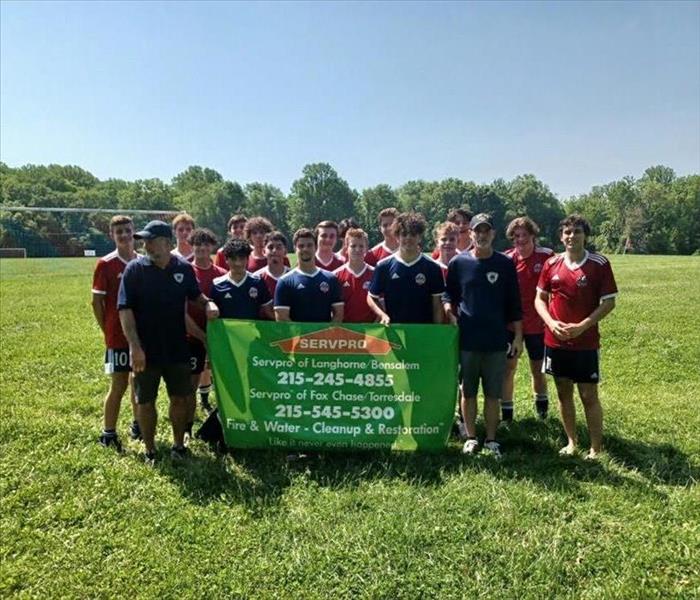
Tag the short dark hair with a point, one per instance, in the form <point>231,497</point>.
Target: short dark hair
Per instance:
<point>387,212</point>
<point>236,248</point>
<point>200,236</point>
<point>239,218</point>
<point>465,213</point>
<point>276,236</point>
<point>409,223</point>
<point>257,224</point>
<point>327,224</point>
<point>304,232</point>
<point>575,221</point>
<point>345,225</point>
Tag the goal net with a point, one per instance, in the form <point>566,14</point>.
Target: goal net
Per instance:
<point>47,231</point>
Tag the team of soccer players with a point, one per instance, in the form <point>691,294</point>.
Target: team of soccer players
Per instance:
<point>526,297</point>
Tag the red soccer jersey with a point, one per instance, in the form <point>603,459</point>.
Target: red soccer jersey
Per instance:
<point>105,281</point>
<point>575,291</point>
<point>354,289</point>
<point>528,270</point>
<point>204,279</point>
<point>331,265</point>
<point>377,253</point>
<point>220,259</point>
<point>269,279</point>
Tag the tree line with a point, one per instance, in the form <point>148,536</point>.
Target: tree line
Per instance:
<point>658,213</point>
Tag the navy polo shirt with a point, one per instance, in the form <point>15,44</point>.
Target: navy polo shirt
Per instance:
<point>309,298</point>
<point>157,297</point>
<point>408,288</point>
<point>487,293</point>
<point>240,300</point>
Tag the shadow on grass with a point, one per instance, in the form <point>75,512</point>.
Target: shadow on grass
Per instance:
<point>258,479</point>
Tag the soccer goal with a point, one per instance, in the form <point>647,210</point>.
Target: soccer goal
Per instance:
<point>39,231</point>
<point>13,253</point>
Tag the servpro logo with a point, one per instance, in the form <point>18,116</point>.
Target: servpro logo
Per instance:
<point>335,340</point>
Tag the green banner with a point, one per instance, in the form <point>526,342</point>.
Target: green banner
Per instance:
<point>334,386</point>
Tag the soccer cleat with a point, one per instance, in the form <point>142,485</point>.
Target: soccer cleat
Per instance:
<point>110,440</point>
<point>179,452</point>
<point>135,430</point>
<point>494,448</point>
<point>471,446</point>
<point>149,458</point>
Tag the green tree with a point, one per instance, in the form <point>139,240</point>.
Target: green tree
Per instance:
<point>369,204</point>
<point>265,200</point>
<point>319,194</point>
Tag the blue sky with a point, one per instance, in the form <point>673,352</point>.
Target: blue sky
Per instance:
<point>577,93</point>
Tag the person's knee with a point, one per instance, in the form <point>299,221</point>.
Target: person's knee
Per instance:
<point>178,402</point>
<point>118,385</point>
<point>589,396</point>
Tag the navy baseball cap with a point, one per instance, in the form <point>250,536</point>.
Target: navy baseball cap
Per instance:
<point>153,230</point>
<point>480,219</point>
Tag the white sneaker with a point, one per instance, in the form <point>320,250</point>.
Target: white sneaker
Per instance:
<point>470,447</point>
<point>494,448</point>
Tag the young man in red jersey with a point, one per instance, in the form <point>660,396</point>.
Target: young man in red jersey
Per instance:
<point>183,225</point>
<point>276,254</point>
<point>529,259</point>
<point>355,277</point>
<point>203,242</point>
<point>390,242</point>
<point>236,230</point>
<point>461,217</point>
<point>105,288</point>
<point>326,233</point>
<point>255,230</point>
<point>575,291</point>
<point>445,235</point>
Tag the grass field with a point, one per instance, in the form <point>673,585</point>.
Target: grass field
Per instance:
<point>81,521</point>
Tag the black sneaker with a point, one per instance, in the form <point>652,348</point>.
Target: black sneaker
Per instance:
<point>179,452</point>
<point>541,406</point>
<point>110,440</point>
<point>135,430</point>
<point>149,458</point>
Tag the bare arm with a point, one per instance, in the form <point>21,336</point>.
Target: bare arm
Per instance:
<point>338,311</point>
<point>194,330</point>
<point>377,309</point>
<point>438,313</point>
<point>517,348</point>
<point>449,313</point>
<point>542,307</point>
<point>98,309</point>
<point>138,357</point>
<point>267,312</point>
<point>282,314</point>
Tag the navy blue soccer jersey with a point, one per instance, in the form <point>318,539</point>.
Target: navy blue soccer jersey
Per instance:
<point>157,297</point>
<point>487,294</point>
<point>309,298</point>
<point>240,300</point>
<point>407,288</point>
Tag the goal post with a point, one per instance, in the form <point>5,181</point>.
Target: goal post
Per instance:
<point>53,231</point>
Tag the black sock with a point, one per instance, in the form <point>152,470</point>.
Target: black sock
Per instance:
<point>109,432</point>
<point>507,411</point>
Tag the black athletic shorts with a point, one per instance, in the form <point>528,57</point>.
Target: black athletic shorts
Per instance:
<point>581,366</point>
<point>198,356</point>
<point>533,342</point>
<point>177,380</point>
<point>117,360</point>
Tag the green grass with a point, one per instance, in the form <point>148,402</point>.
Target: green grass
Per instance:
<point>80,521</point>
